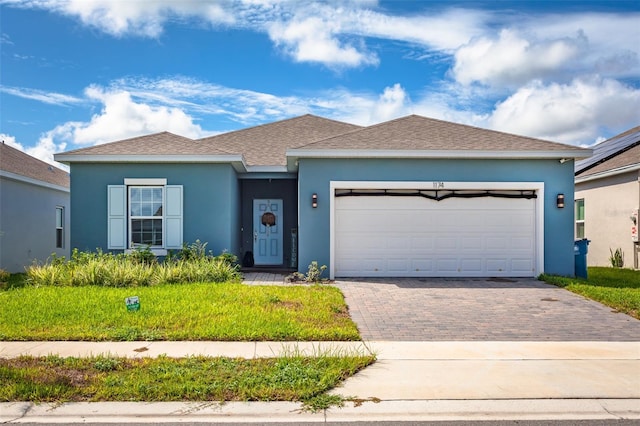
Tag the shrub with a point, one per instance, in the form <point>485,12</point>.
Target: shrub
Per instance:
<point>143,255</point>
<point>616,258</point>
<point>4,276</point>
<point>135,269</point>
<point>314,274</point>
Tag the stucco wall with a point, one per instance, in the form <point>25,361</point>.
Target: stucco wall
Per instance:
<point>315,175</point>
<point>609,203</point>
<point>211,201</point>
<point>28,223</point>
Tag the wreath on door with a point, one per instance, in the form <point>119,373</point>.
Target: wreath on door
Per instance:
<point>268,219</point>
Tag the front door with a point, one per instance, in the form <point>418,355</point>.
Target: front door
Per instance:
<point>267,232</point>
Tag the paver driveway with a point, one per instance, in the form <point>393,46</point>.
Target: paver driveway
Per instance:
<point>432,309</point>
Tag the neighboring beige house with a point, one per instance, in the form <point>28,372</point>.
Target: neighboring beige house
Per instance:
<point>607,197</point>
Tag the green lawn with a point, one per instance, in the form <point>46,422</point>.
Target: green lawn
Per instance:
<point>201,311</point>
<point>291,378</point>
<point>614,287</point>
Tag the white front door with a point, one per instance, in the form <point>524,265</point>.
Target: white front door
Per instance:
<point>267,232</point>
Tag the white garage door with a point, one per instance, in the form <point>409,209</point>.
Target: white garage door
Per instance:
<point>414,236</point>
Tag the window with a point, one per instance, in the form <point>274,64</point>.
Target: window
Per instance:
<point>144,212</point>
<point>579,218</point>
<point>145,215</point>
<point>59,227</point>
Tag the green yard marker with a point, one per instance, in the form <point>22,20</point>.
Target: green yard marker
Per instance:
<point>133,303</point>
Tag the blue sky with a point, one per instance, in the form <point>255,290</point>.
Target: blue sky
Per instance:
<point>74,73</point>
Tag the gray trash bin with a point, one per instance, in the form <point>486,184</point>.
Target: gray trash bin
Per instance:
<point>580,250</point>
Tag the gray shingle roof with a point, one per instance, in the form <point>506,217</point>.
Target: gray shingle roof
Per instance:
<point>619,151</point>
<point>163,143</point>
<point>416,133</point>
<point>267,144</point>
<point>17,162</point>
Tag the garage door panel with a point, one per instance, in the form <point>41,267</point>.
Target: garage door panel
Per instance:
<point>522,243</point>
<point>422,243</point>
<point>446,243</point>
<point>522,265</point>
<point>497,243</point>
<point>413,236</point>
<point>471,265</point>
<point>497,266</point>
<point>471,243</point>
<point>421,266</point>
<point>446,265</point>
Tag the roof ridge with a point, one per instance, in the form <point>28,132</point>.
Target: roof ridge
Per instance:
<point>443,122</point>
<point>258,126</point>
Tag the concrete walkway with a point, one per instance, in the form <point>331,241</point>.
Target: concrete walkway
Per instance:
<point>410,381</point>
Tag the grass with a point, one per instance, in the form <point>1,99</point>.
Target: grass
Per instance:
<point>615,287</point>
<point>199,311</point>
<point>293,378</point>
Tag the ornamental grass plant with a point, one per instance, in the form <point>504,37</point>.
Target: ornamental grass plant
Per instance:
<point>136,269</point>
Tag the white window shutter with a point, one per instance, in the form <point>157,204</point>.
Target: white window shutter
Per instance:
<point>173,217</point>
<point>117,217</point>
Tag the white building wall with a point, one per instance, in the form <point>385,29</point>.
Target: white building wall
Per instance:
<point>28,223</point>
<point>608,204</point>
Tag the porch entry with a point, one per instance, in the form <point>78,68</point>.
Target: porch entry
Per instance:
<point>267,231</point>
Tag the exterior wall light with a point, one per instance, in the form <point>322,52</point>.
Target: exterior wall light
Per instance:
<point>314,201</point>
<point>560,201</point>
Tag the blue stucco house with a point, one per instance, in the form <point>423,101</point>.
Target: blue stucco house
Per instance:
<point>34,210</point>
<point>411,197</point>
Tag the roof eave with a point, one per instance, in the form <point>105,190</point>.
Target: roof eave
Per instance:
<point>237,161</point>
<point>32,181</point>
<point>294,154</point>
<point>608,173</point>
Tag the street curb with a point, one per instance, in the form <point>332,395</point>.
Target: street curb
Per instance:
<point>290,412</point>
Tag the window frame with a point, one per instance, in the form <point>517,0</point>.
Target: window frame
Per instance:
<point>118,220</point>
<point>130,217</point>
<point>579,221</point>
<point>59,227</point>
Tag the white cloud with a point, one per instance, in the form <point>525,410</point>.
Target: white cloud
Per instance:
<point>613,48</point>
<point>490,48</point>
<point>50,143</point>
<point>511,59</point>
<point>121,118</point>
<point>314,40</point>
<point>145,18</point>
<point>571,113</point>
<point>51,98</point>
<point>203,98</point>
<point>367,109</point>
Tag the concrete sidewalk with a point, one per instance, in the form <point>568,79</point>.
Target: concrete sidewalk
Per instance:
<point>415,381</point>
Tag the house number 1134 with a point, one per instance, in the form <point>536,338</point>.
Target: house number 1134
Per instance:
<point>438,185</point>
